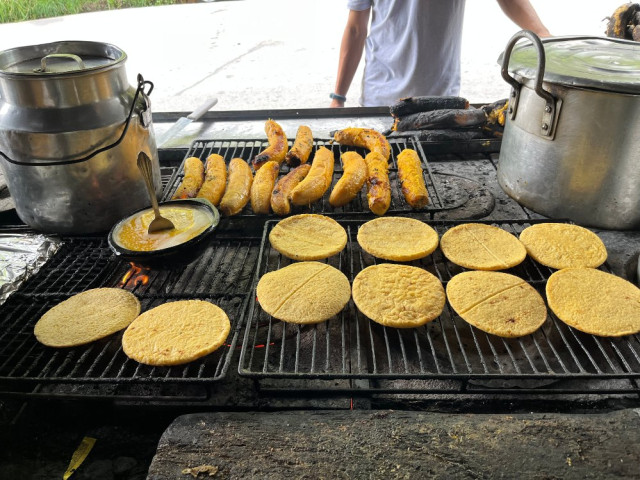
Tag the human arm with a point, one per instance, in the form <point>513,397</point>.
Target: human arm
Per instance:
<point>522,13</point>
<point>351,48</point>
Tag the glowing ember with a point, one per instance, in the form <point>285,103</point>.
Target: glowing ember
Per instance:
<point>136,275</point>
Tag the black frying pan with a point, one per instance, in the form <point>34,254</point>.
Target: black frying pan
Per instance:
<point>183,252</point>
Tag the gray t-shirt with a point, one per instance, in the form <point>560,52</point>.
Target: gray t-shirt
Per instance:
<point>413,48</point>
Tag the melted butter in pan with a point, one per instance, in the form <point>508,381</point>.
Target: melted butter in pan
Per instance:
<point>188,222</point>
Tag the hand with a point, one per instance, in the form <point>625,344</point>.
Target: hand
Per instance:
<point>335,103</point>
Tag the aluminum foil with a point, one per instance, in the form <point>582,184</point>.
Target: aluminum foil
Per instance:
<point>21,256</point>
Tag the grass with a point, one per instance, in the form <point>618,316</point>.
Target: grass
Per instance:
<point>21,10</point>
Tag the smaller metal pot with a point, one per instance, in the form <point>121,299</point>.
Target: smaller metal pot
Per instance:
<point>570,147</point>
<point>71,128</point>
<point>182,253</point>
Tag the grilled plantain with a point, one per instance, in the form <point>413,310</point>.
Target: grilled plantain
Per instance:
<point>364,137</point>
<point>301,148</point>
<point>277,148</point>
<point>353,177</point>
<point>280,197</point>
<point>317,181</point>
<point>192,180</point>
<point>215,179</point>
<point>378,187</point>
<point>411,179</point>
<point>236,196</point>
<point>262,186</point>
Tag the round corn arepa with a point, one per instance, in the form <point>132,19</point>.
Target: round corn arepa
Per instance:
<point>594,301</point>
<point>398,296</point>
<point>308,237</point>
<point>399,239</point>
<point>497,303</point>
<point>86,317</point>
<point>304,292</point>
<point>482,247</point>
<point>176,332</point>
<point>562,245</point>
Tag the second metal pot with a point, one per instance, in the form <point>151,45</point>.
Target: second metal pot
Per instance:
<point>570,151</point>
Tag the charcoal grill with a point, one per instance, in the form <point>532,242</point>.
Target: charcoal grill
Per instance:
<point>247,149</point>
<point>353,347</point>
<point>222,274</point>
<point>368,357</point>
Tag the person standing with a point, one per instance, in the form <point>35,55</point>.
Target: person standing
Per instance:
<point>412,47</point>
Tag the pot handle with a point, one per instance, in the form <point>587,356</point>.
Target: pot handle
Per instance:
<point>140,90</point>
<point>43,61</point>
<point>549,116</point>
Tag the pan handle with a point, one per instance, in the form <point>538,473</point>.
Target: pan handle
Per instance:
<point>549,114</point>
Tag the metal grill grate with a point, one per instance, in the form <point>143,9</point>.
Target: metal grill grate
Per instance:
<point>353,347</point>
<point>222,274</point>
<point>247,149</point>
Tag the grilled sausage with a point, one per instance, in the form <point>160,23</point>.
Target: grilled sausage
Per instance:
<point>262,187</point>
<point>280,198</point>
<point>236,196</point>
<point>192,180</point>
<point>317,181</point>
<point>277,148</point>
<point>301,148</point>
<point>353,177</point>
<point>411,179</point>
<point>364,137</point>
<point>215,179</point>
<point>409,105</point>
<point>378,187</point>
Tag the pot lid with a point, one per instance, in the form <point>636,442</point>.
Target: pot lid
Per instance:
<point>590,62</point>
<point>59,58</point>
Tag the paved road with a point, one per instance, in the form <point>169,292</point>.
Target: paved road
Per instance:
<point>256,54</point>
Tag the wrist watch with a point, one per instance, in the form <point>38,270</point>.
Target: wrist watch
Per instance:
<point>336,96</point>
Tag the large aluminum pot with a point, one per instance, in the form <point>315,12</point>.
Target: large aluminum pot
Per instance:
<point>571,147</point>
<point>71,127</point>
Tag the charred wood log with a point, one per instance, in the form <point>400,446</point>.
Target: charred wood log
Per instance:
<point>441,119</point>
<point>624,22</point>
<point>409,105</point>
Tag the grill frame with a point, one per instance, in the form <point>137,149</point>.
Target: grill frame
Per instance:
<point>594,358</point>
